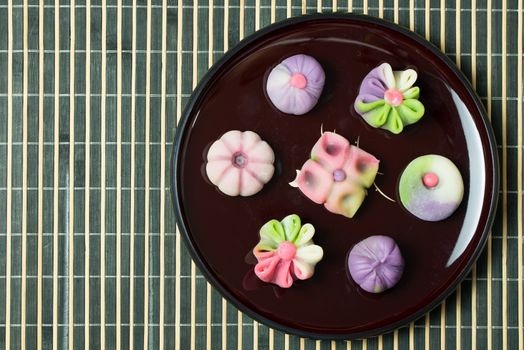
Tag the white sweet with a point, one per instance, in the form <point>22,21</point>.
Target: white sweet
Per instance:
<point>240,163</point>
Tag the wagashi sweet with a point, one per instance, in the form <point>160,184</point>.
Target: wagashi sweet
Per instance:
<point>295,84</point>
<point>387,99</point>
<point>431,187</point>
<point>286,251</point>
<point>376,263</point>
<point>337,174</point>
<point>240,163</point>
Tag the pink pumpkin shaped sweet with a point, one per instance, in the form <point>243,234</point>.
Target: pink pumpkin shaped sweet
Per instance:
<point>337,174</point>
<point>240,163</point>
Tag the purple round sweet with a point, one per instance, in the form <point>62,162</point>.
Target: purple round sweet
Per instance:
<point>376,263</point>
<point>295,85</point>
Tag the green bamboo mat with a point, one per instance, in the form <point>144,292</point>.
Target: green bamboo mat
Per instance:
<point>90,92</point>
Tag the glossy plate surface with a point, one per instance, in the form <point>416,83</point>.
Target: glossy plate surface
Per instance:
<point>221,231</point>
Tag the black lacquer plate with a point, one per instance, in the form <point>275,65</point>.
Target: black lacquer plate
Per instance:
<point>221,231</point>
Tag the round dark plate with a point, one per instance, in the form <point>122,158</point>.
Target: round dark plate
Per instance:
<point>221,231</point>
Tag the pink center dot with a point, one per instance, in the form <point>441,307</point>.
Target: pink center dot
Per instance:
<point>286,250</point>
<point>393,97</point>
<point>430,180</point>
<point>298,80</point>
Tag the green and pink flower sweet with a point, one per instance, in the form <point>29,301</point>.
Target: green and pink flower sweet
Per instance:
<point>286,251</point>
<point>387,99</point>
<point>337,174</point>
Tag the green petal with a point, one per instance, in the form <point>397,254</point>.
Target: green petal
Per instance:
<point>414,92</point>
<point>306,234</point>
<point>266,247</point>
<point>378,116</point>
<point>272,232</point>
<point>394,122</point>
<point>411,111</point>
<point>366,107</point>
<point>291,224</point>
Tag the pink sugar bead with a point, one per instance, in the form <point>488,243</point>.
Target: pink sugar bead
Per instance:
<point>393,97</point>
<point>286,250</point>
<point>430,180</point>
<point>298,80</point>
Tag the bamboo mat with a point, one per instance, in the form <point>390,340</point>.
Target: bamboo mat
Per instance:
<point>90,94</point>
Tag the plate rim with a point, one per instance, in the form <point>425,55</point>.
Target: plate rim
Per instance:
<point>200,88</point>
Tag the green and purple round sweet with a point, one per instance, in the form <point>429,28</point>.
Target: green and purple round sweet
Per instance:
<point>431,187</point>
